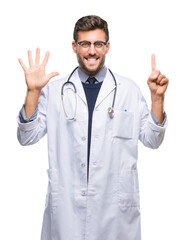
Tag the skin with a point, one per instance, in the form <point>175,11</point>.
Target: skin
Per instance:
<point>157,84</point>
<point>36,79</point>
<point>91,61</point>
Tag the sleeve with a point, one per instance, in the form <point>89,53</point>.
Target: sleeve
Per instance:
<point>31,131</point>
<point>24,119</point>
<point>151,132</point>
<point>156,121</point>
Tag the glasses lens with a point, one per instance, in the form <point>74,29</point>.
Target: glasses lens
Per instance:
<point>99,44</point>
<point>84,44</point>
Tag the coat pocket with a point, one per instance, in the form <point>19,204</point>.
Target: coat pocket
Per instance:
<point>123,126</point>
<point>53,187</point>
<point>128,189</point>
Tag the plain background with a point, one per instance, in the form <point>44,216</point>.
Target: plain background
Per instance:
<point>137,29</point>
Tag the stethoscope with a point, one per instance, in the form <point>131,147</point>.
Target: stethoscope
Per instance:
<point>110,109</point>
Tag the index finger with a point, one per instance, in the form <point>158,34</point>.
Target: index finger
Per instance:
<point>153,64</point>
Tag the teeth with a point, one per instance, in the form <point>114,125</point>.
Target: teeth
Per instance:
<point>91,60</point>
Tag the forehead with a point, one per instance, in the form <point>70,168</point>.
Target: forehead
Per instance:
<point>91,36</point>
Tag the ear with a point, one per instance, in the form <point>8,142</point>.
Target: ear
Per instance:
<point>108,47</point>
<point>74,47</point>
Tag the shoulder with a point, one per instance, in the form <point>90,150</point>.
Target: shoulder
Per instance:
<point>53,87</point>
<point>56,82</point>
<point>126,82</point>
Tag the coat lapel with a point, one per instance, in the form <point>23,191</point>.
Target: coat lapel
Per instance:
<point>107,87</point>
<point>79,88</point>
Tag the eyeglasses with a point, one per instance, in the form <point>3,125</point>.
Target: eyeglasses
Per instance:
<point>86,44</point>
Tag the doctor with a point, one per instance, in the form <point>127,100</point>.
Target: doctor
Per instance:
<point>93,191</point>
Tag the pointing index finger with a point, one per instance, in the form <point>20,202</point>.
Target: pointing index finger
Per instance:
<point>153,64</point>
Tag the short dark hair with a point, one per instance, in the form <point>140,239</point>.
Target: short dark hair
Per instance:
<point>89,23</point>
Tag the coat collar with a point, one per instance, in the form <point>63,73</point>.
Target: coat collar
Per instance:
<point>107,87</point>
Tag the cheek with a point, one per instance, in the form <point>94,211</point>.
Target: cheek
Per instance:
<point>80,54</point>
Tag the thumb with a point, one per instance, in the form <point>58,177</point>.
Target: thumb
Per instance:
<point>51,75</point>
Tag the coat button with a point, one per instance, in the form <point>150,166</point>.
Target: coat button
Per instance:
<point>83,165</point>
<point>83,138</point>
<point>83,193</point>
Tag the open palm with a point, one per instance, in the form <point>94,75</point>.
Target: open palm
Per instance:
<point>35,75</point>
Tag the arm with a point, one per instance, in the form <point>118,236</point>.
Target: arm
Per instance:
<point>151,133</point>
<point>158,84</point>
<point>36,80</point>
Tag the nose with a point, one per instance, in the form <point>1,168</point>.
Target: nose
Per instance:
<point>92,49</point>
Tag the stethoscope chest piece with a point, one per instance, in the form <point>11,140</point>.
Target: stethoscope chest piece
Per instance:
<point>111,112</point>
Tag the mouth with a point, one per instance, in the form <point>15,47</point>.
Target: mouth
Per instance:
<point>91,59</point>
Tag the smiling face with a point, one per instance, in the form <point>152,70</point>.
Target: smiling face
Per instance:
<point>91,59</point>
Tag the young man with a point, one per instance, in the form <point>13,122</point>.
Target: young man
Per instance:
<point>93,131</point>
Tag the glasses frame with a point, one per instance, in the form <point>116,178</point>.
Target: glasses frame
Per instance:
<point>89,44</point>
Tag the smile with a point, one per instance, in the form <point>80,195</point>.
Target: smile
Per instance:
<point>91,59</point>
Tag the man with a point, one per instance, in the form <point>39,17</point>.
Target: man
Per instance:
<point>93,191</point>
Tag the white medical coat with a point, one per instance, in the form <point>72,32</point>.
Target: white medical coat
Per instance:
<point>106,207</point>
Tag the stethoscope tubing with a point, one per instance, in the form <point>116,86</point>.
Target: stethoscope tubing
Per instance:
<point>110,109</point>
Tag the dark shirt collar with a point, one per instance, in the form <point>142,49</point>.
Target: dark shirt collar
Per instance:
<point>100,76</point>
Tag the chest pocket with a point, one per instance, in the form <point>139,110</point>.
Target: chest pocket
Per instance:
<point>123,125</point>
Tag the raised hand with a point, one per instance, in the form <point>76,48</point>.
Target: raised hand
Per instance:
<point>157,82</point>
<point>36,79</point>
<point>35,75</point>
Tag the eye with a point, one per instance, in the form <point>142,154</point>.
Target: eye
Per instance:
<point>98,44</point>
<point>84,44</point>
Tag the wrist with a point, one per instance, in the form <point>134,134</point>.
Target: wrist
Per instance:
<point>33,91</point>
<point>158,107</point>
<point>157,99</point>
<point>31,101</point>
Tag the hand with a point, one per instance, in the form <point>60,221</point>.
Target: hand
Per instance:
<point>35,75</point>
<point>157,82</point>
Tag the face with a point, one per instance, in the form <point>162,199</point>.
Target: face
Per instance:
<point>91,60</point>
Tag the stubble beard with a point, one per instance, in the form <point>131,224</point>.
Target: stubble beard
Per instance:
<point>86,69</point>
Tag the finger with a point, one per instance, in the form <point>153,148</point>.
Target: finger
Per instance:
<point>51,75</point>
<point>160,77</point>
<point>30,60</point>
<point>154,75</point>
<point>37,58</point>
<point>153,64</point>
<point>22,65</point>
<point>164,81</point>
<point>45,60</point>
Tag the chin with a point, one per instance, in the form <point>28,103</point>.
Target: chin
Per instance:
<point>92,71</point>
